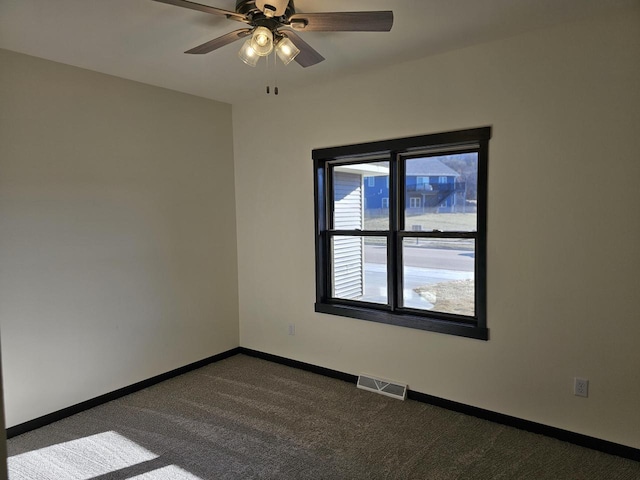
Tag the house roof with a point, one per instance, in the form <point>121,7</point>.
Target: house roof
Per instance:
<point>428,167</point>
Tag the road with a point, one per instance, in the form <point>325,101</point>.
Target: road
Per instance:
<point>423,266</point>
<point>423,257</point>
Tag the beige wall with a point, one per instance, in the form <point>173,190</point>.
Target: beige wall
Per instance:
<point>118,244</point>
<point>563,258</point>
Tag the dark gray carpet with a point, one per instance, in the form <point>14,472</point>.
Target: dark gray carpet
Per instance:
<point>245,418</point>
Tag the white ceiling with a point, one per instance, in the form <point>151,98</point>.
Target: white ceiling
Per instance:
<point>144,40</point>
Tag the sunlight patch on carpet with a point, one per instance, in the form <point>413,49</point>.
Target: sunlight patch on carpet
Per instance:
<point>165,473</point>
<point>81,459</point>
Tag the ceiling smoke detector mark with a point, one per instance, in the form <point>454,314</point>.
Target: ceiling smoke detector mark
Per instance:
<point>384,387</point>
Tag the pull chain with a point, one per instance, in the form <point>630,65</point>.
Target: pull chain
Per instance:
<point>267,60</point>
<point>275,72</point>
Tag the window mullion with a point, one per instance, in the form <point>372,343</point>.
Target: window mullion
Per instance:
<point>394,258</point>
<point>402,201</point>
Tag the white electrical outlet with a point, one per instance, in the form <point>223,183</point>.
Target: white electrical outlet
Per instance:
<point>581,387</point>
<point>292,329</point>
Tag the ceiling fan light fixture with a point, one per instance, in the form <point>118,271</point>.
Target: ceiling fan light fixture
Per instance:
<point>248,55</point>
<point>262,41</point>
<point>286,50</point>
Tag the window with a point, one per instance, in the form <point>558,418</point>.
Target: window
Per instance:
<point>372,181</point>
<point>402,260</point>
<point>422,183</point>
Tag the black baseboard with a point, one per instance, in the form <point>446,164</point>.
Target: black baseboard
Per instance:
<point>107,397</point>
<point>553,432</point>
<point>534,427</point>
<point>327,372</point>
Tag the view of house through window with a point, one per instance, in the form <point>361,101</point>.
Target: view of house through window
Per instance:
<point>438,273</point>
<point>441,194</point>
<point>358,273</point>
<point>401,234</point>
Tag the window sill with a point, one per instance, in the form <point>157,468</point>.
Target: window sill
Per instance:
<point>405,320</point>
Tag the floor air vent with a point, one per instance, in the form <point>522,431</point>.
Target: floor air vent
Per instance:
<point>384,387</point>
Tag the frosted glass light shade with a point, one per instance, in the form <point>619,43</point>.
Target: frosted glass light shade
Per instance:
<point>262,41</point>
<point>248,55</point>
<point>286,50</point>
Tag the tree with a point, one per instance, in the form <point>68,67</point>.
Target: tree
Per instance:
<point>466,164</point>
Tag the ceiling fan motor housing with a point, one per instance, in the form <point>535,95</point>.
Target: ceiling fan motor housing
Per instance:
<point>266,8</point>
<point>272,8</point>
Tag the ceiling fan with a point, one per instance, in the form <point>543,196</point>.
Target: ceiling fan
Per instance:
<point>273,24</point>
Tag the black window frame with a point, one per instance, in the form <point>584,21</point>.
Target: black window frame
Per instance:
<point>395,151</point>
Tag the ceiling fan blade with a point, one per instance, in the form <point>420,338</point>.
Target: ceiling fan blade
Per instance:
<point>343,21</point>
<point>216,43</point>
<point>307,56</point>
<point>205,8</point>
